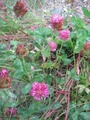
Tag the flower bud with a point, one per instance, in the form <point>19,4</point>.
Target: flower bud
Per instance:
<point>57,21</point>
<point>53,46</point>
<point>64,34</point>
<point>21,50</point>
<point>87,46</point>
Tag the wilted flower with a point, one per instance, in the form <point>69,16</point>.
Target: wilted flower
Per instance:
<point>39,90</point>
<point>11,111</point>
<point>64,34</point>
<point>5,81</point>
<point>87,46</point>
<point>20,8</point>
<point>21,50</point>
<point>57,21</point>
<point>52,45</point>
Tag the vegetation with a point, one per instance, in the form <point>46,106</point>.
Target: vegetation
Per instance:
<point>44,64</point>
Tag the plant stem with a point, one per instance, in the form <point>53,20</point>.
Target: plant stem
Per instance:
<point>24,68</point>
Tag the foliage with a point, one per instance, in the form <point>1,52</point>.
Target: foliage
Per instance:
<point>57,68</point>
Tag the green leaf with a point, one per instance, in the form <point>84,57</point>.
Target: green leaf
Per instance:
<point>10,26</point>
<point>76,78</point>
<point>41,35</point>
<point>60,81</point>
<point>45,52</point>
<point>34,118</point>
<point>33,108</point>
<point>12,104</point>
<point>17,74</point>
<point>49,79</point>
<point>14,43</point>
<point>1,104</point>
<point>51,90</point>
<point>84,116</point>
<point>85,107</point>
<point>89,95</point>
<point>11,94</point>
<point>86,11</point>
<point>48,65</point>
<point>81,34</point>
<point>23,112</point>
<point>72,108</point>
<point>2,22</point>
<point>81,39</point>
<point>75,115</point>
<point>26,89</point>
<point>87,28</point>
<point>81,88</point>
<point>77,22</point>
<point>38,77</point>
<point>41,107</point>
<point>73,74</point>
<point>2,47</point>
<point>43,31</point>
<point>18,64</point>
<point>66,61</point>
<point>3,95</point>
<point>56,106</point>
<point>43,1</point>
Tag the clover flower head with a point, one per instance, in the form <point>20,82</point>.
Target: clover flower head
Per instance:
<point>57,21</point>
<point>32,28</point>
<point>39,90</point>
<point>64,34</point>
<point>11,111</point>
<point>3,73</point>
<point>5,81</point>
<point>52,45</point>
